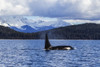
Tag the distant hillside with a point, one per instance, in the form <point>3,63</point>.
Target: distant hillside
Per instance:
<point>7,33</point>
<point>29,29</point>
<point>83,31</point>
<point>24,29</point>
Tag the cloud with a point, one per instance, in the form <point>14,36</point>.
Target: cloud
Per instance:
<point>72,9</point>
<point>73,21</point>
<point>66,8</point>
<point>12,7</point>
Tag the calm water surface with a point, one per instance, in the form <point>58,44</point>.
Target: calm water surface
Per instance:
<point>30,53</point>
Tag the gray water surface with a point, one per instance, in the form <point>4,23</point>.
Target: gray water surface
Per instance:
<point>30,53</point>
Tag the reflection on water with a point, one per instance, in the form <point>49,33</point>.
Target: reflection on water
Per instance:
<point>30,53</point>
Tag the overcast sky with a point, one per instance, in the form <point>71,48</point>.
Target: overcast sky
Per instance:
<point>65,9</point>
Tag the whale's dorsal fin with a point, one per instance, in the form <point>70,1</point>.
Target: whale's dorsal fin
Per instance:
<point>47,43</point>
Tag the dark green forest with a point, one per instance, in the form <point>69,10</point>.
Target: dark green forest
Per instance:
<point>82,31</point>
<point>7,33</point>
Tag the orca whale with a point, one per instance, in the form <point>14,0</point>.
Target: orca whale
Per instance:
<point>48,46</point>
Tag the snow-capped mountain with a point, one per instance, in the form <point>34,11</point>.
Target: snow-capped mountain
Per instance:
<point>29,24</point>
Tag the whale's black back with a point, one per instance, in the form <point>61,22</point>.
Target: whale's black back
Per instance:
<point>49,47</point>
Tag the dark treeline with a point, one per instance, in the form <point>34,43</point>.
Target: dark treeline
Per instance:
<point>7,33</point>
<point>83,31</point>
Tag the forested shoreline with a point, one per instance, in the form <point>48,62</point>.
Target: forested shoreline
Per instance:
<point>82,31</point>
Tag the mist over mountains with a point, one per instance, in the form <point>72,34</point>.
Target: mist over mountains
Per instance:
<point>30,25</point>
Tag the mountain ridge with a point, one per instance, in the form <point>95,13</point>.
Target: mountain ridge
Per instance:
<point>18,22</point>
<point>82,31</point>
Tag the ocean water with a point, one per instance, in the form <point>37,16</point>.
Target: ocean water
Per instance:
<point>30,53</point>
